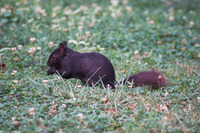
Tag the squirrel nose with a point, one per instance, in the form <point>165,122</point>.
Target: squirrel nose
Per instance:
<point>50,71</point>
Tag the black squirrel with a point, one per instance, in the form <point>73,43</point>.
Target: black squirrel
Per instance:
<point>94,68</point>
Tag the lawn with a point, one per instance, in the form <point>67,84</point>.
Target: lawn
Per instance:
<point>136,35</point>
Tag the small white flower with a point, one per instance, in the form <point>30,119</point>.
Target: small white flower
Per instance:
<point>171,10</point>
<point>41,120</point>
<point>15,123</point>
<point>30,20</point>
<point>119,13</point>
<point>104,99</point>
<point>32,50</point>
<point>125,2</point>
<point>54,26</point>
<point>20,47</point>
<point>53,103</point>
<point>100,48</point>
<point>82,37</point>
<point>91,24</point>
<point>38,48</point>
<point>79,86</point>
<point>80,116</point>
<point>84,43</point>
<point>72,41</point>
<point>41,11</point>
<point>129,8</point>
<point>13,118</point>
<point>87,34</point>
<point>15,81</point>
<point>64,30</point>
<point>68,11</point>
<point>184,41</point>
<point>63,19</point>
<point>191,24</point>
<point>136,52</point>
<point>145,53</point>
<point>14,49</point>
<point>14,71</point>
<point>159,42</point>
<point>114,2</point>
<point>13,74</point>
<point>146,12</point>
<point>50,44</point>
<point>23,25</point>
<point>74,99</point>
<point>80,27</point>
<point>54,14</point>
<point>64,105</point>
<point>32,39</point>
<point>83,18</point>
<point>31,109</point>
<point>184,17</point>
<point>171,18</point>
<point>32,113</point>
<point>197,45</point>
<point>57,8</point>
<point>55,21</point>
<point>45,81</point>
<point>198,99</point>
<point>151,22</point>
<point>2,10</point>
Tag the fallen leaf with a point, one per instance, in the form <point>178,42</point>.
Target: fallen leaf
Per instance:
<point>109,110</point>
<point>104,100</point>
<point>133,106</point>
<point>3,67</point>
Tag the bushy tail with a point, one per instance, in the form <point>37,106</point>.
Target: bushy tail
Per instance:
<point>152,78</point>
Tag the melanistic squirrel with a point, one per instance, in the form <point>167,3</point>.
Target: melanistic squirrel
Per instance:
<point>94,68</point>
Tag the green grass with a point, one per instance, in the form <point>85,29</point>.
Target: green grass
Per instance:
<point>167,32</point>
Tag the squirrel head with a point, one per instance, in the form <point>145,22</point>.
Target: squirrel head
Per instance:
<point>57,55</point>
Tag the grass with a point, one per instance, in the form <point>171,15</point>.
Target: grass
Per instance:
<point>165,33</point>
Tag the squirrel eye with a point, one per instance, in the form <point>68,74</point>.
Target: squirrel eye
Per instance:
<point>53,57</point>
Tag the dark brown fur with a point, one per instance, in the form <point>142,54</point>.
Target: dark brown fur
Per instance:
<point>152,78</point>
<point>94,68</point>
<point>90,68</point>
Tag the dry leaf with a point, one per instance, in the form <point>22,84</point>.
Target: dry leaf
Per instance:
<point>133,106</point>
<point>3,67</point>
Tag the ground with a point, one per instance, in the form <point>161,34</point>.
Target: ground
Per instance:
<point>136,35</point>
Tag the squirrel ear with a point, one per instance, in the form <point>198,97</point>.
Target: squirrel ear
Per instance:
<point>62,48</point>
<point>65,44</point>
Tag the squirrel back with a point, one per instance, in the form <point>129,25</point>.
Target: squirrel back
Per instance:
<point>94,68</point>
<point>91,68</point>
